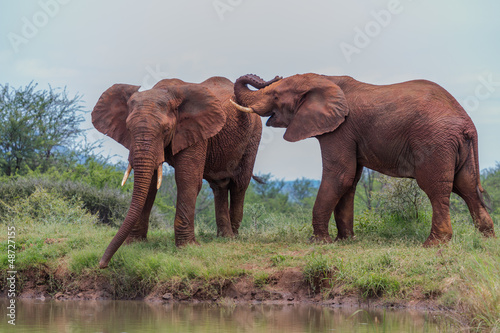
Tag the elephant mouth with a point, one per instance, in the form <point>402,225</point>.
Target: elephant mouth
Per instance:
<point>275,121</point>
<point>271,120</point>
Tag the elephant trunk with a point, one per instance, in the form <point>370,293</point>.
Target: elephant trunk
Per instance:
<point>143,173</point>
<point>245,96</point>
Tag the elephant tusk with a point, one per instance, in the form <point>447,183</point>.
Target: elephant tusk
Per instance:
<point>160,176</point>
<point>242,108</point>
<point>127,173</point>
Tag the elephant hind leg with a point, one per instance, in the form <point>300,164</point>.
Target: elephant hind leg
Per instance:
<point>236,206</point>
<point>223,222</point>
<point>465,185</point>
<point>438,184</point>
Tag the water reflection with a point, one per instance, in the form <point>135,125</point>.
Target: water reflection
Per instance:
<point>130,316</point>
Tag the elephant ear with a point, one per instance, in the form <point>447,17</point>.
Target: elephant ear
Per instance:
<point>111,111</point>
<point>321,110</point>
<point>200,116</point>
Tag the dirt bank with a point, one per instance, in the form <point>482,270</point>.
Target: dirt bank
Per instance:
<point>284,287</point>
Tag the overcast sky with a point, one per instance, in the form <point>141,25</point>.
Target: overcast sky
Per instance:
<point>89,45</point>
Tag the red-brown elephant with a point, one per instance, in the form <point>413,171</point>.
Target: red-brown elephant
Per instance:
<point>195,129</point>
<point>414,129</point>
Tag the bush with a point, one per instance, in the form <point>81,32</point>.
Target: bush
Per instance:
<point>42,207</point>
<point>402,197</point>
<point>111,205</point>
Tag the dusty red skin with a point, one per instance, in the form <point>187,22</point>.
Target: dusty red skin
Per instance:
<point>195,129</point>
<point>414,129</point>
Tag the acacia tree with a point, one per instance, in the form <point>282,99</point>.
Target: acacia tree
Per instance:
<point>36,126</point>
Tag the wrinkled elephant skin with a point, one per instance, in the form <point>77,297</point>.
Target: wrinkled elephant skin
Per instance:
<point>413,129</point>
<point>195,129</point>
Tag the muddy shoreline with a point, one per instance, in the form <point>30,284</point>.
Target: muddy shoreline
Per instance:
<point>284,287</point>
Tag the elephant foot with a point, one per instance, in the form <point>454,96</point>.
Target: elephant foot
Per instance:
<point>225,233</point>
<point>343,238</point>
<point>436,240</point>
<point>487,232</point>
<point>320,239</point>
<point>181,243</point>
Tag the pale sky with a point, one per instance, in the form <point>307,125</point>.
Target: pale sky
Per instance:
<point>88,46</point>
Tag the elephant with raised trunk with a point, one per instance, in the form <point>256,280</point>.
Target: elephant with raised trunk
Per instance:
<point>195,129</point>
<point>414,129</point>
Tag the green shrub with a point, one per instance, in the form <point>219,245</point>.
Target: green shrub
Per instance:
<point>44,207</point>
<point>402,197</point>
<point>111,205</point>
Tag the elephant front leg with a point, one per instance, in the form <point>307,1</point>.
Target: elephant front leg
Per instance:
<point>344,211</point>
<point>187,192</point>
<point>140,230</point>
<point>322,212</point>
<point>189,165</point>
<point>333,187</point>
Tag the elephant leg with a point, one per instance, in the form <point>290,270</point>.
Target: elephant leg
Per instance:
<point>335,182</point>
<point>465,185</point>
<point>239,184</point>
<point>437,184</point>
<point>140,230</point>
<point>344,211</point>
<point>236,207</point>
<point>188,165</point>
<point>220,190</point>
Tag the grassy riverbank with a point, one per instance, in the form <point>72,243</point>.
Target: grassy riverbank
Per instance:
<point>59,245</point>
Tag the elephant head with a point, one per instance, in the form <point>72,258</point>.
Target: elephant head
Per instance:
<point>168,118</point>
<point>307,105</point>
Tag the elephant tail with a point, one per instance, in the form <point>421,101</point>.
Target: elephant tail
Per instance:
<point>258,179</point>
<point>475,156</point>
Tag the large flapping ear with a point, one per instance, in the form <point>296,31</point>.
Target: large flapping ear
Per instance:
<point>322,109</point>
<point>200,116</point>
<point>111,111</point>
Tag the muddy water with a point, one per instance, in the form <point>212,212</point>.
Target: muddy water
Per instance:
<point>130,316</point>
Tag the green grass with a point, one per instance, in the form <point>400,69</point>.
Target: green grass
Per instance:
<point>386,260</point>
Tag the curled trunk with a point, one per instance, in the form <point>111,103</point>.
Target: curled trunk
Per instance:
<point>245,96</point>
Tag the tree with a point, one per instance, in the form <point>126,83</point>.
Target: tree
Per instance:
<point>366,188</point>
<point>304,192</point>
<point>402,197</point>
<point>270,193</point>
<point>36,126</point>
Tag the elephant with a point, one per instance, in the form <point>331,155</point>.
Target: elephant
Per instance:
<point>414,129</point>
<point>196,130</point>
